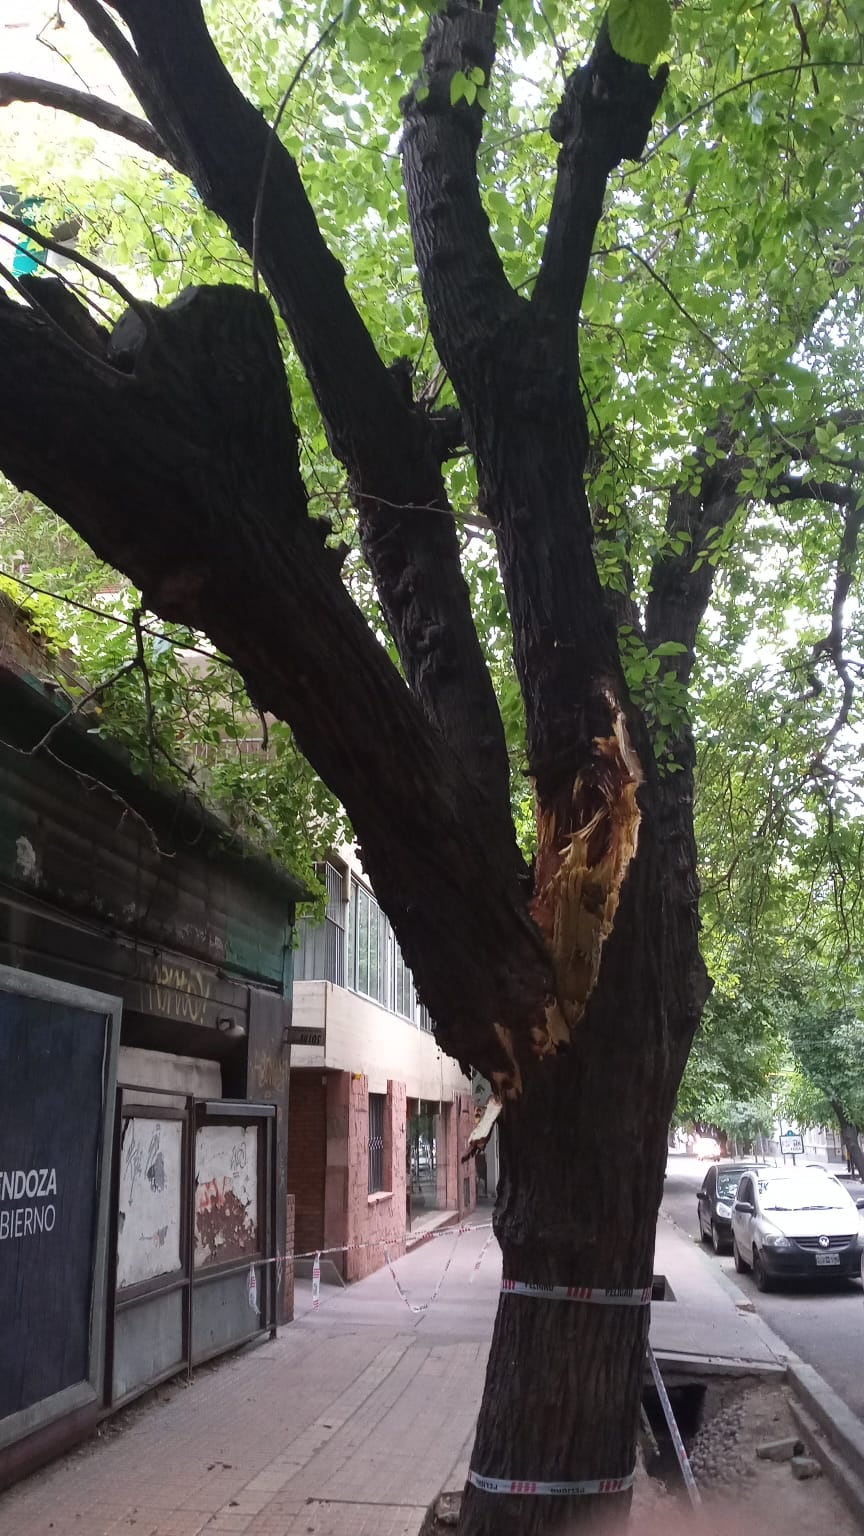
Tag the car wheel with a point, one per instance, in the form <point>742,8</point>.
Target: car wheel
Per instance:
<point>703,1235</point>
<point>718,1243</point>
<point>760,1274</point>
<point>740,1267</point>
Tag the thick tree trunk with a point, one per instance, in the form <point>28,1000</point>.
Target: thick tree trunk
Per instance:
<point>849,1138</point>
<point>583,1152</point>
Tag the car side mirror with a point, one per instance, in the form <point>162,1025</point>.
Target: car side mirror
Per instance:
<point>860,1204</point>
<point>744,1208</point>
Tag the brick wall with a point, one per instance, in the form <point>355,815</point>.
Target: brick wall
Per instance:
<point>378,1219</point>
<point>307,1152</point>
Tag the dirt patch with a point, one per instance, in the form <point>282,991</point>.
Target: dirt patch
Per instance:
<point>740,1492</point>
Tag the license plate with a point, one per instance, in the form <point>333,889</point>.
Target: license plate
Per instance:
<point>824,1260</point>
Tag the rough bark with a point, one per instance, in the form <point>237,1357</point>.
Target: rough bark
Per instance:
<point>849,1137</point>
<point>577,1207</point>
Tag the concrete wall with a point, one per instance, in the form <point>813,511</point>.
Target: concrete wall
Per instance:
<point>180,1074</point>
<point>362,1037</point>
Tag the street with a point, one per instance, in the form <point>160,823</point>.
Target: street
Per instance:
<point>824,1324</point>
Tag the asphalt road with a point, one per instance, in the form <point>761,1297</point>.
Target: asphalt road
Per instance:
<point>823,1323</point>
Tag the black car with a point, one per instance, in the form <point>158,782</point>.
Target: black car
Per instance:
<point>715,1201</point>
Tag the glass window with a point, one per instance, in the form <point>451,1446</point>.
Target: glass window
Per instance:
<point>803,1193</point>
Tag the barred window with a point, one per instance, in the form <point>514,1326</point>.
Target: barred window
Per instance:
<point>377,1103</point>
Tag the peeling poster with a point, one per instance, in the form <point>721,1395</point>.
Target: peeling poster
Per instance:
<point>148,1217</point>
<point>226,1193</point>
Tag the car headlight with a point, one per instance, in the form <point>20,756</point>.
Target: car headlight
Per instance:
<point>723,1209</point>
<point>776,1240</point>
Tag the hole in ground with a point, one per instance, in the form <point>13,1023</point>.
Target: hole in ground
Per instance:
<point>688,1406</point>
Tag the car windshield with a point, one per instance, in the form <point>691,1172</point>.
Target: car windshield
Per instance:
<point>808,1193</point>
<point>727,1184</point>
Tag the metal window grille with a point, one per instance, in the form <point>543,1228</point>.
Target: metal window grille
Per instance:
<point>377,1102</point>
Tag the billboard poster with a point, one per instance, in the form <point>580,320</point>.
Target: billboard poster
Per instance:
<point>52,1070</point>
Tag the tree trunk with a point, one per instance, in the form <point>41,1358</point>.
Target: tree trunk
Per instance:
<point>583,1153</point>
<point>849,1138</point>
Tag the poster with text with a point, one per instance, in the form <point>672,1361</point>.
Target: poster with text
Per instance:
<point>51,1108</point>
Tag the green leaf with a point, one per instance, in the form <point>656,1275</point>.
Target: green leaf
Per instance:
<point>459,86</point>
<point>639,29</point>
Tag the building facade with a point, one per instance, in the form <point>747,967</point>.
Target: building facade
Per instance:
<point>380,1117</point>
<point>145,1035</point>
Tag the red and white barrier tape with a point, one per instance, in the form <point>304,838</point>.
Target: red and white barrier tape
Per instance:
<point>423,1306</point>
<point>616,1296</point>
<point>387,1242</point>
<point>551,1490</point>
<point>480,1257</point>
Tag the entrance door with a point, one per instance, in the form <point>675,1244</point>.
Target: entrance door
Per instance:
<point>424,1157</point>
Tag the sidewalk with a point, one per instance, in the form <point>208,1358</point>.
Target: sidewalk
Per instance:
<point>351,1422</point>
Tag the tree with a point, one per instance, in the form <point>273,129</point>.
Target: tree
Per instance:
<point>829,1046</point>
<point>621,420</point>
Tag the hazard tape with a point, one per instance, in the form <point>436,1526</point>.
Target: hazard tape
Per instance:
<point>387,1242</point>
<point>480,1257</point>
<point>551,1490</point>
<point>423,1306</point>
<point>616,1296</point>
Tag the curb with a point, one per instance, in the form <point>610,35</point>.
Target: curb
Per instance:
<point>831,1429</point>
<point>836,1468</point>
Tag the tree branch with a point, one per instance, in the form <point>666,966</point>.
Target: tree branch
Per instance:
<point>103,114</point>
<point>150,465</point>
<point>467,294</point>
<point>798,488</point>
<point>681,584</point>
<point>386,444</point>
<point>604,117</point>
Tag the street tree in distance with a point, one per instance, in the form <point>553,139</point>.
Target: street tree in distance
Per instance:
<point>637,386</point>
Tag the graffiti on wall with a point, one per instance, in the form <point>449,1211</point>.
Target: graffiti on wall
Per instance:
<point>175,991</point>
<point>226,1193</point>
<point>148,1218</point>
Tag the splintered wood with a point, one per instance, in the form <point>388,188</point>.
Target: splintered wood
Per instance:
<point>583,856</point>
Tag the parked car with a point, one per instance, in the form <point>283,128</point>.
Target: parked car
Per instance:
<point>715,1201</point>
<point>706,1149</point>
<point>794,1224</point>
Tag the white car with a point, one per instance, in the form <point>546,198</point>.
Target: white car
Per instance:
<point>706,1149</point>
<point>794,1224</point>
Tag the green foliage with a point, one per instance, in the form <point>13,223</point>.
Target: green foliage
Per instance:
<point>175,706</point>
<point>724,299</point>
<point>639,29</point>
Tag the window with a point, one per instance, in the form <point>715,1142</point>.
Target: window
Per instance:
<point>423,1018</point>
<point>369,944</point>
<point>403,988</point>
<point>320,954</point>
<point>377,1106</point>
